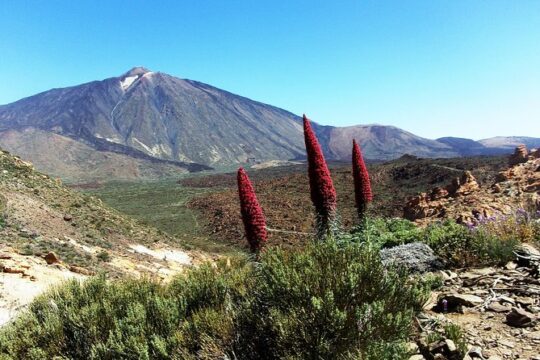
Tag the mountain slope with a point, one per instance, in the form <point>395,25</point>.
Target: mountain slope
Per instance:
<point>163,117</point>
<point>50,233</point>
<point>149,124</point>
<point>468,147</point>
<point>38,214</point>
<point>78,162</point>
<point>383,143</point>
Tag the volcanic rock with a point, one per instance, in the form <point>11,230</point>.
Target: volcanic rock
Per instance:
<point>520,318</point>
<point>521,155</point>
<point>80,270</point>
<point>468,202</point>
<point>51,258</point>
<point>455,300</point>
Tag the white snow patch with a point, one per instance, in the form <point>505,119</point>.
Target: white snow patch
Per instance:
<point>214,155</point>
<point>165,149</point>
<point>177,256</point>
<point>126,83</point>
<point>148,74</point>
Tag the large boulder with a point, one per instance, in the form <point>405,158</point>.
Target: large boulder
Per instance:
<point>416,257</point>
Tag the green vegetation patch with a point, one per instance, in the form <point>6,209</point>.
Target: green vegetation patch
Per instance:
<point>163,205</point>
<point>491,242</point>
<point>328,301</point>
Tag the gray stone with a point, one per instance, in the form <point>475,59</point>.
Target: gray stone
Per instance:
<point>498,307</point>
<point>417,257</point>
<point>475,352</point>
<point>450,346</point>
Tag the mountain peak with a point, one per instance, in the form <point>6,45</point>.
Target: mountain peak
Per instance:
<point>137,70</point>
<point>132,76</point>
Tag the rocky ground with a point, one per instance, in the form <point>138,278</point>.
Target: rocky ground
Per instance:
<point>486,313</point>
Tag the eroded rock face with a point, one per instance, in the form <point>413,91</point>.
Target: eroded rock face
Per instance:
<point>520,155</point>
<point>464,185</point>
<point>465,201</point>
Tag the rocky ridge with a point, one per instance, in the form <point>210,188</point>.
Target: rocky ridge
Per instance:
<point>467,201</point>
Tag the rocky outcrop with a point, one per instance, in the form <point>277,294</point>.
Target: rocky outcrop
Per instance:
<point>466,201</point>
<point>520,155</point>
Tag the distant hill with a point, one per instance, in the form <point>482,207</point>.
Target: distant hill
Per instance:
<point>146,124</point>
<point>468,147</point>
<point>510,142</point>
<point>382,143</point>
<point>80,162</point>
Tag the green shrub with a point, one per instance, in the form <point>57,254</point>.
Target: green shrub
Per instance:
<point>387,232</point>
<point>103,256</point>
<point>327,301</point>
<point>490,243</point>
<point>455,333</point>
<point>459,245</point>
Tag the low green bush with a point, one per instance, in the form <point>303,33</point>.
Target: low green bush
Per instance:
<point>327,301</point>
<point>460,245</point>
<point>489,243</point>
<point>385,232</point>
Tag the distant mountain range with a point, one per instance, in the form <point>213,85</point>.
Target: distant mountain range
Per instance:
<point>149,124</point>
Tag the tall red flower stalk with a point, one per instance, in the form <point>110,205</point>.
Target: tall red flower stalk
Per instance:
<point>362,184</point>
<point>252,214</point>
<point>323,194</point>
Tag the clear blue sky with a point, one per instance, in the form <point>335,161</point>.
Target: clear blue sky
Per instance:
<point>467,68</point>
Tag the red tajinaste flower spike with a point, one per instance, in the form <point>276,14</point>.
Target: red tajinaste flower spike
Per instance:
<point>362,184</point>
<point>323,194</point>
<point>252,214</point>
